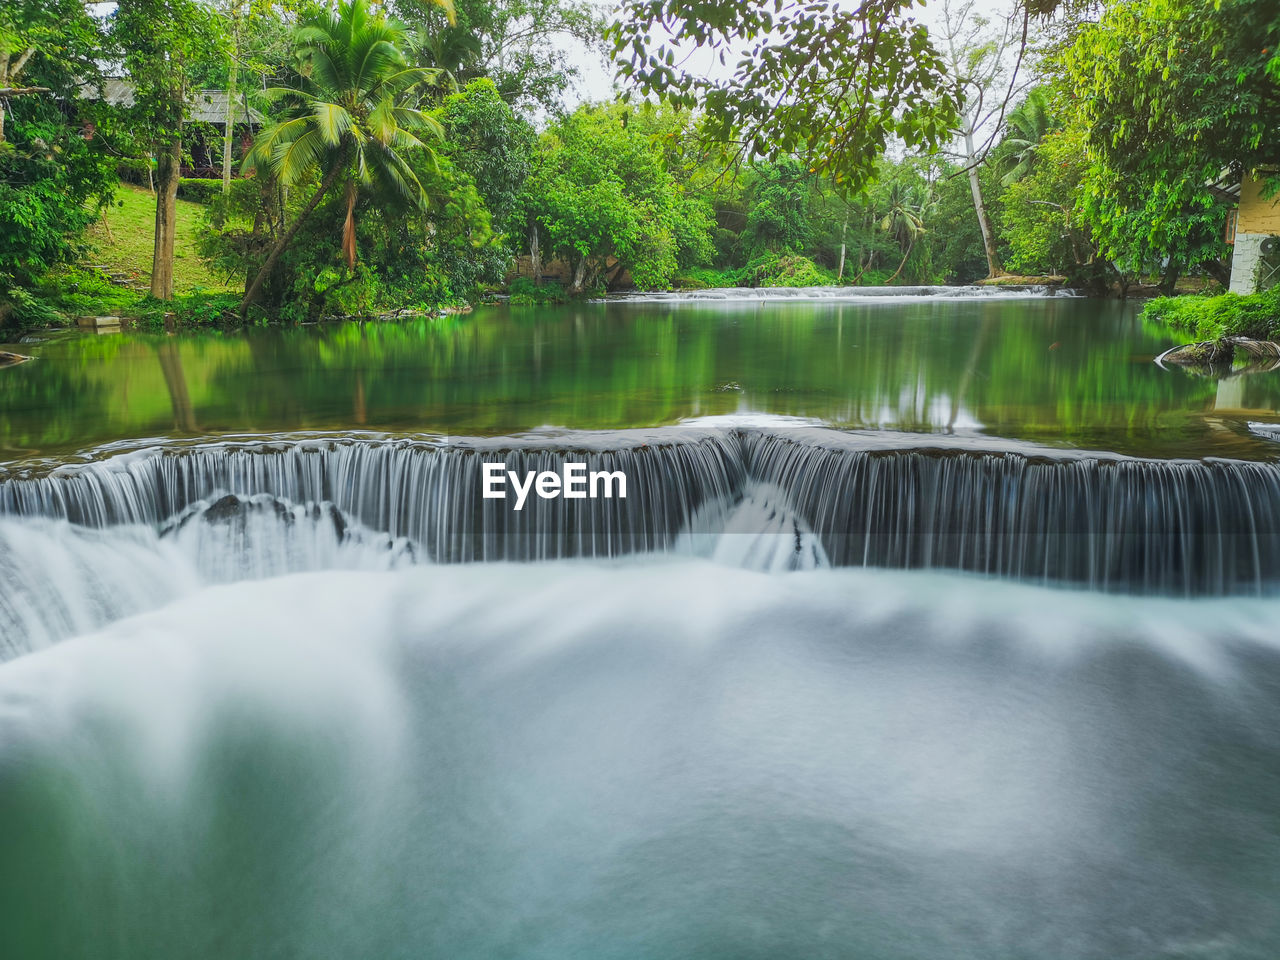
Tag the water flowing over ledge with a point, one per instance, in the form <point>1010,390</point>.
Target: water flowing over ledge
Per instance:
<point>815,495</point>
<point>845,294</point>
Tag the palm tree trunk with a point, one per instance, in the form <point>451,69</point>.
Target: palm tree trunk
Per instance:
<point>349,226</point>
<point>255,287</point>
<point>843,230</point>
<point>910,245</point>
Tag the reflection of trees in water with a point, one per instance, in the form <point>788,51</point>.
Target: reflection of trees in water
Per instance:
<point>1071,370</point>
<point>175,378</point>
<point>41,402</point>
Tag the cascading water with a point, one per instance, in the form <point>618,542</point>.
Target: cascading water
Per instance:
<point>1107,522</point>
<point>810,496</point>
<point>252,705</point>
<point>62,579</point>
<point>897,294</point>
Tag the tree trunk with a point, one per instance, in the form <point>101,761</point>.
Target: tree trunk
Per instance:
<point>349,226</point>
<point>168,173</point>
<point>579,276</point>
<point>843,230</point>
<point>260,278</point>
<point>1219,270</point>
<point>228,135</point>
<point>535,254</point>
<point>1172,270</point>
<point>910,245</point>
<point>984,223</point>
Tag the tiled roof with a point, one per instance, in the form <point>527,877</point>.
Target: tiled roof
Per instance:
<point>208,106</point>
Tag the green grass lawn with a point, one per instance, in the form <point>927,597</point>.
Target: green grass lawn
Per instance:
<point>123,240</point>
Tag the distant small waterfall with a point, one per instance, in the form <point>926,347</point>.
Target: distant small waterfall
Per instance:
<point>847,294</point>
<point>763,497</point>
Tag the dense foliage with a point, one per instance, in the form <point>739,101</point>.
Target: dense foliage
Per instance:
<point>418,153</point>
<point>1256,316</point>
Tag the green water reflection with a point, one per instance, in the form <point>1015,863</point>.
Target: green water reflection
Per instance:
<point>1070,372</point>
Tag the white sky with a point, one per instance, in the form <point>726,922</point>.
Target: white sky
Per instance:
<point>596,80</point>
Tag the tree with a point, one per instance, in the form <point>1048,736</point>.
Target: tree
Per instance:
<point>163,42</point>
<point>904,220</point>
<point>1180,88</point>
<point>977,55</point>
<point>526,47</point>
<point>778,217</point>
<point>600,190</point>
<point>1044,231</point>
<point>53,180</point>
<point>350,120</point>
<point>1170,92</point>
<point>28,28</point>
<point>817,80</point>
<point>490,143</point>
<point>1026,127</point>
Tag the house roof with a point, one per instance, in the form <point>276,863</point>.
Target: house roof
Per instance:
<point>1226,186</point>
<point>207,106</point>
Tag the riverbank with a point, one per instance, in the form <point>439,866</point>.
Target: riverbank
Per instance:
<point>1256,316</point>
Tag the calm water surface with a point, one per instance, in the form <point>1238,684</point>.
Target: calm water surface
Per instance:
<point>1070,372</point>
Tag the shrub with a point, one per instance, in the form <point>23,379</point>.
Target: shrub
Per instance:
<point>1256,316</point>
<point>134,170</point>
<point>771,270</point>
<point>706,278</point>
<point>522,290</point>
<point>199,190</point>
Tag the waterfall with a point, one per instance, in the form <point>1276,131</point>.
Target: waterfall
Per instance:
<point>62,579</point>
<point>766,497</point>
<point>1012,510</point>
<point>428,491</point>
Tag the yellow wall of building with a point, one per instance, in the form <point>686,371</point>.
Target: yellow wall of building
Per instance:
<point>1256,214</point>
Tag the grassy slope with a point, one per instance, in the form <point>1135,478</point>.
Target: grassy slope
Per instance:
<point>127,247</point>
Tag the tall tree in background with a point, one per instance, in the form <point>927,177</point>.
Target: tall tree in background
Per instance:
<point>1027,125</point>
<point>233,11</point>
<point>350,121</point>
<point>984,59</point>
<point>163,43</point>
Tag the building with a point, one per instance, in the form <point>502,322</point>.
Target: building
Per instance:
<point>1253,230</point>
<point>204,107</point>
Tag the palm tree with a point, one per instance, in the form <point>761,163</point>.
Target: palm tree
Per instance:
<point>904,221</point>
<point>1026,126</point>
<point>352,116</point>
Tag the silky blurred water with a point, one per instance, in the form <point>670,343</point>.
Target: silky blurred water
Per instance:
<point>646,759</point>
